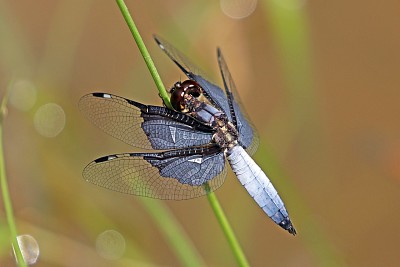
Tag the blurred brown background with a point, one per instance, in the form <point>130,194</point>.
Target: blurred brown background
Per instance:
<point>320,81</point>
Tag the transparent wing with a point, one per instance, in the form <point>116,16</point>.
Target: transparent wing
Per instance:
<point>248,136</point>
<point>151,175</point>
<point>213,93</point>
<point>126,120</point>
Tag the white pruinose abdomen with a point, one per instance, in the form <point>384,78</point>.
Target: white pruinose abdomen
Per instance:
<point>259,187</point>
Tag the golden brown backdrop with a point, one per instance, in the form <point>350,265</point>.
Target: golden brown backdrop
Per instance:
<point>320,80</point>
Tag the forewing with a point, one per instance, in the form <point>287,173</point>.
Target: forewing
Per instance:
<point>145,174</point>
<point>248,136</point>
<point>120,118</point>
<point>214,93</point>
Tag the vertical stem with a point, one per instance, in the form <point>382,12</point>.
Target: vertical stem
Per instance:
<point>183,248</point>
<point>144,52</point>
<point>223,221</point>
<point>4,188</point>
<point>226,227</point>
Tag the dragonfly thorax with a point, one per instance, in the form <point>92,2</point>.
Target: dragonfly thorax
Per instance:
<point>188,98</point>
<point>226,135</point>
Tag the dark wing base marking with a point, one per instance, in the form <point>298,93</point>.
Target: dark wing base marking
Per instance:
<point>139,125</point>
<point>165,175</point>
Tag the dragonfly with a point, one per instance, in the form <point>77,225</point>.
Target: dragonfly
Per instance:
<point>187,146</point>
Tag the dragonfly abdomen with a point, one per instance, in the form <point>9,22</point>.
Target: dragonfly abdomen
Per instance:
<point>259,187</point>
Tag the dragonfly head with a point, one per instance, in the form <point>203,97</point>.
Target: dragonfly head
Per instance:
<point>180,89</point>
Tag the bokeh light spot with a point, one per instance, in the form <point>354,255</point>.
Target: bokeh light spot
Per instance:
<point>238,9</point>
<point>29,248</point>
<point>49,120</point>
<point>110,245</point>
<point>23,95</point>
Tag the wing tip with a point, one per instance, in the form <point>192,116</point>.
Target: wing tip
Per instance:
<point>158,40</point>
<point>105,158</point>
<point>177,57</point>
<point>219,54</point>
<point>101,95</point>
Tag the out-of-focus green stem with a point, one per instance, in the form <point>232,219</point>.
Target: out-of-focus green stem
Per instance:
<point>289,22</point>
<point>291,34</point>
<point>173,232</point>
<point>144,52</point>
<point>4,187</point>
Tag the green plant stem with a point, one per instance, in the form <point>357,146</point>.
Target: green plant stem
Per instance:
<point>226,227</point>
<point>168,225</point>
<point>4,189</point>
<point>144,52</point>
<point>219,213</point>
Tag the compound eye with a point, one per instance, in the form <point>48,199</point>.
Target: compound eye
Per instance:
<point>177,97</point>
<point>180,89</point>
<point>192,88</point>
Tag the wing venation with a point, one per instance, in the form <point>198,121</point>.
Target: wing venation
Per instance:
<point>128,121</point>
<point>151,175</point>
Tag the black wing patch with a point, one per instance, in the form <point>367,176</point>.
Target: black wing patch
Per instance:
<point>148,127</point>
<point>159,175</point>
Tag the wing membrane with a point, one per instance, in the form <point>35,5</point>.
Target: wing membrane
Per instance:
<point>248,136</point>
<point>213,93</point>
<point>126,120</point>
<point>151,175</point>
